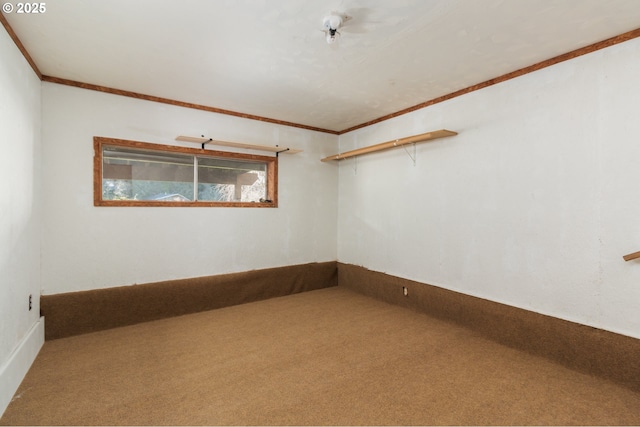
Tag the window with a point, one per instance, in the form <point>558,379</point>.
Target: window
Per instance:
<point>130,173</point>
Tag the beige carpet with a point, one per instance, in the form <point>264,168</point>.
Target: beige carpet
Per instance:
<point>329,356</point>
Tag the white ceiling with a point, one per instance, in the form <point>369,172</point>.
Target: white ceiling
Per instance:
<point>269,58</point>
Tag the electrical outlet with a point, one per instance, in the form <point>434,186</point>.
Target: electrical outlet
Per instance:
<point>30,302</point>
<point>405,291</point>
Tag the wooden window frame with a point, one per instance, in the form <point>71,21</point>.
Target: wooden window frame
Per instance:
<point>100,142</point>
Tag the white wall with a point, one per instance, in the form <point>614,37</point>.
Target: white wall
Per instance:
<point>87,247</point>
<point>20,215</point>
<point>533,204</point>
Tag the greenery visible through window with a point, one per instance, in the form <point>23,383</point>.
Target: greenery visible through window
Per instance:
<point>130,173</point>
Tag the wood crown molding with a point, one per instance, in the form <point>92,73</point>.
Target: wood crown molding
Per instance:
<point>161,100</point>
<point>629,35</point>
<point>20,46</point>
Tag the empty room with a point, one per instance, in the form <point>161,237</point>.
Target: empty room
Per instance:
<point>350,212</point>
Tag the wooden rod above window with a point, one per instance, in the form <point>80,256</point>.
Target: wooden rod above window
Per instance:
<point>424,137</point>
<point>631,256</point>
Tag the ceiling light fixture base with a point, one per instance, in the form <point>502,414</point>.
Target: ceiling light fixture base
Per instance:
<point>331,24</point>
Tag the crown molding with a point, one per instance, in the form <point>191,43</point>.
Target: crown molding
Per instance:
<point>621,38</point>
<point>161,100</point>
<point>20,46</point>
<point>512,75</point>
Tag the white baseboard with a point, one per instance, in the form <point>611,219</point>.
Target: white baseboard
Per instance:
<point>14,370</point>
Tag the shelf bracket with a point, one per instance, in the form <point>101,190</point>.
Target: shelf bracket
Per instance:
<point>409,154</point>
<point>206,142</point>
<point>281,151</point>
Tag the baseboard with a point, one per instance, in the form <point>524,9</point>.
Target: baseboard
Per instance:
<point>14,370</point>
<point>583,348</point>
<point>89,311</point>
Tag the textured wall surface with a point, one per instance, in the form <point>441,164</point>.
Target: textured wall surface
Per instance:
<point>20,206</point>
<point>87,247</point>
<point>531,205</point>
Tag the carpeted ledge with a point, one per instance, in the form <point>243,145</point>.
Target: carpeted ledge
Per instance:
<point>579,347</point>
<point>88,311</point>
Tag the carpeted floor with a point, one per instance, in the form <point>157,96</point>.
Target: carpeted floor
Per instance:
<point>325,357</point>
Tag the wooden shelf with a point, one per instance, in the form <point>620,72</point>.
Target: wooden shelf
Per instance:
<point>631,256</point>
<point>270,148</point>
<point>424,137</point>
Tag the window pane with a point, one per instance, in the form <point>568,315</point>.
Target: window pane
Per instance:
<point>223,180</point>
<point>130,174</point>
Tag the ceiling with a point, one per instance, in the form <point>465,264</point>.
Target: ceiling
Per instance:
<point>269,58</point>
